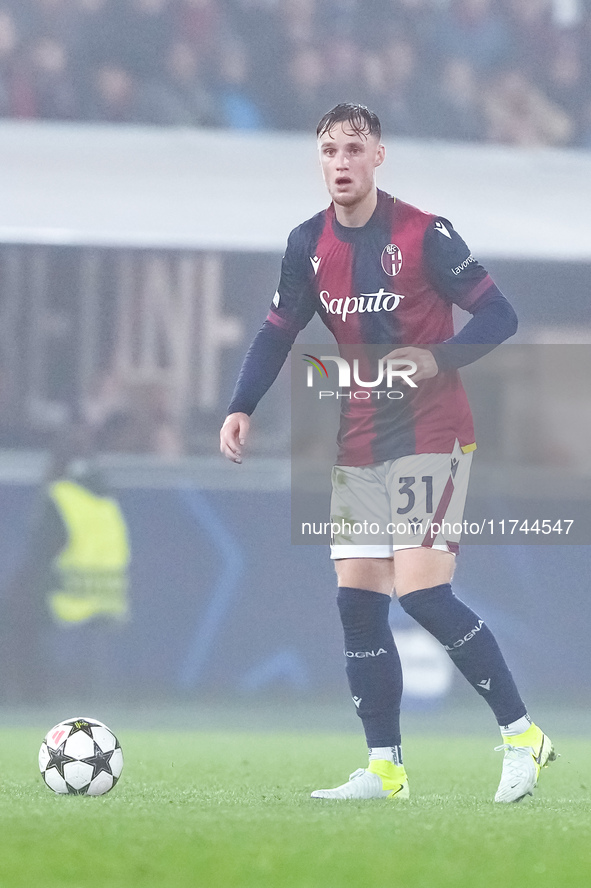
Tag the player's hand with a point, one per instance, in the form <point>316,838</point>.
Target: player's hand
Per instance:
<point>426,364</point>
<point>233,436</point>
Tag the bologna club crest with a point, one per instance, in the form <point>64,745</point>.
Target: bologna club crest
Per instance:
<point>391,259</point>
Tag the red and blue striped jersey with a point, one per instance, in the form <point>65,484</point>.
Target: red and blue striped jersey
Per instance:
<point>392,282</point>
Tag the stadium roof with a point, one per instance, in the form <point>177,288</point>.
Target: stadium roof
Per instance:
<point>184,188</point>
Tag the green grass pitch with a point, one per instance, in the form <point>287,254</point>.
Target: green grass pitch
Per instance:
<point>231,809</point>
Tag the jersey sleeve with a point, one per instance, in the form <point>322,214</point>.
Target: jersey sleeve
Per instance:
<point>291,309</point>
<point>459,278</point>
<point>293,305</point>
<point>454,272</point>
<point>260,367</point>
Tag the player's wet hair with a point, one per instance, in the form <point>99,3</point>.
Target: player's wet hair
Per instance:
<point>361,120</point>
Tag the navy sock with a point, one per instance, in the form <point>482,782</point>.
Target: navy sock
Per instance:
<point>373,665</point>
<point>470,644</point>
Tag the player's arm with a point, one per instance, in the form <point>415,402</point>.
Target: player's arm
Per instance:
<point>422,358</point>
<point>461,279</point>
<point>260,368</point>
<point>291,309</point>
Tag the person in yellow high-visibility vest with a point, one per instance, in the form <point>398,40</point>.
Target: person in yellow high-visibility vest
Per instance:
<point>74,574</point>
<point>90,572</point>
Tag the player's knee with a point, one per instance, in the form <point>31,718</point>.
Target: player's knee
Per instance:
<point>421,568</point>
<point>373,574</point>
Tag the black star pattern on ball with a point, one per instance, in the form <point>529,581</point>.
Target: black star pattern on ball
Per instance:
<point>100,761</point>
<point>79,725</point>
<point>58,758</point>
<point>73,791</point>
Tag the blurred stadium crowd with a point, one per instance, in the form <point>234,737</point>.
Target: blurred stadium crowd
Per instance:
<point>506,71</point>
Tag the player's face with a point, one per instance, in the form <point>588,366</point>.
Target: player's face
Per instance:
<point>348,161</point>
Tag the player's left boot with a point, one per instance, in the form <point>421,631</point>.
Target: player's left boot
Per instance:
<point>525,755</point>
<point>380,780</point>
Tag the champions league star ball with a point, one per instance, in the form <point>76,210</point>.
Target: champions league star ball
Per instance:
<point>80,756</point>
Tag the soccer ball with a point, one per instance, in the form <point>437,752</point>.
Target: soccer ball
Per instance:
<point>80,756</point>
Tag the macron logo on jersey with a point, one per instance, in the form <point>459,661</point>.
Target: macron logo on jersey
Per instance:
<point>442,229</point>
<point>315,260</point>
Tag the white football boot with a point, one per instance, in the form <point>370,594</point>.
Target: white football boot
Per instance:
<point>525,755</point>
<point>380,780</point>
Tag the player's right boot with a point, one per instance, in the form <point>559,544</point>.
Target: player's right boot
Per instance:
<point>525,755</point>
<point>381,780</point>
